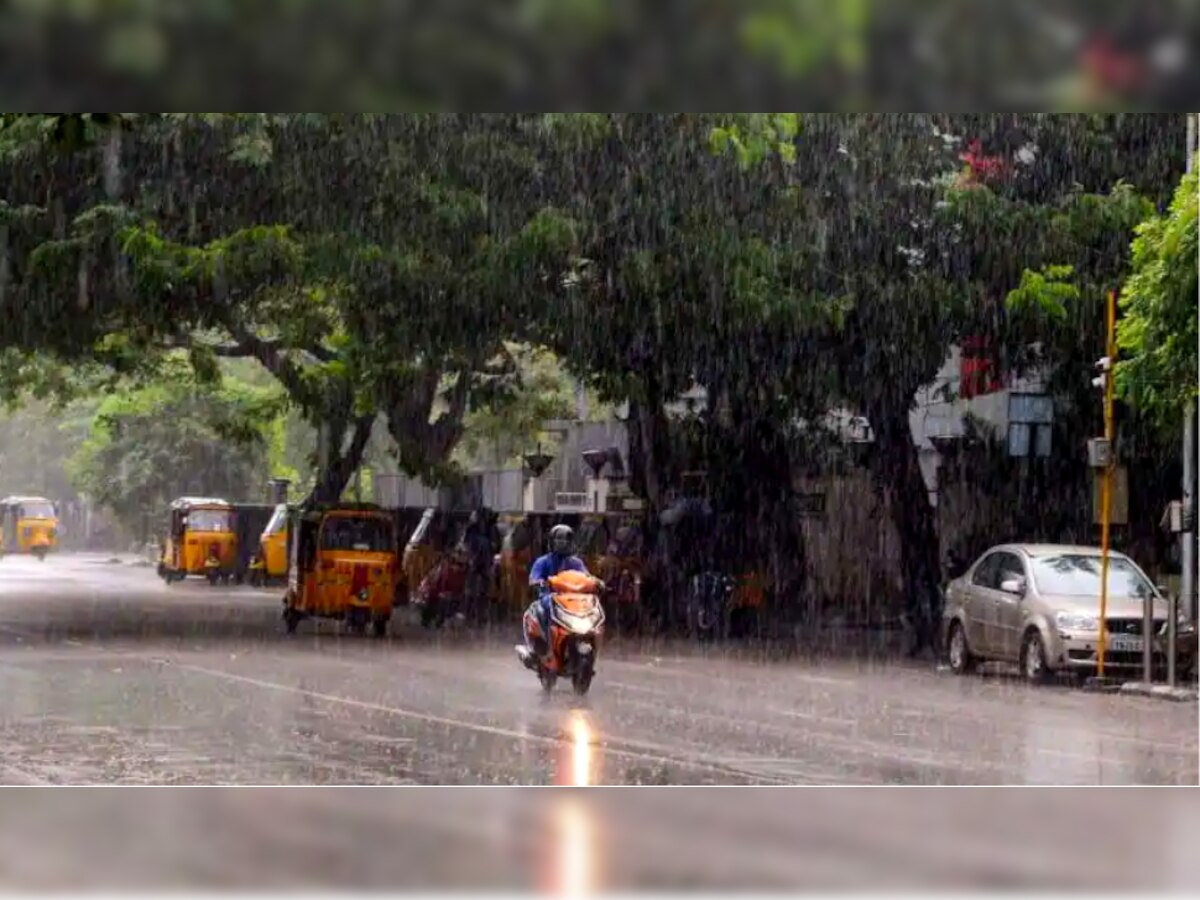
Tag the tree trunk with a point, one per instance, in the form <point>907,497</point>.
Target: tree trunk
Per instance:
<point>897,471</point>
<point>649,448</point>
<point>423,448</point>
<point>342,463</point>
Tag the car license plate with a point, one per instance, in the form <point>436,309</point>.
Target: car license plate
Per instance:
<point>1125,643</point>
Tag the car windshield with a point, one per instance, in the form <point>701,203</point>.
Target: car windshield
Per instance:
<point>1076,575</point>
<point>210,520</point>
<point>37,509</point>
<point>364,535</point>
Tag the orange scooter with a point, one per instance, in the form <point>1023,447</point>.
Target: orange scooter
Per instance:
<point>576,626</point>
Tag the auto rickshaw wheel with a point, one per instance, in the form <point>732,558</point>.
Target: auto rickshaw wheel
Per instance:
<point>380,627</point>
<point>213,578</point>
<point>291,618</point>
<point>356,621</point>
<point>40,553</point>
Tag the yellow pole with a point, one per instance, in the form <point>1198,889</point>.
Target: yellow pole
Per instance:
<point>1106,483</point>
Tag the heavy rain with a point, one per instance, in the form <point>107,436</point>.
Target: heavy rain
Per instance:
<point>670,450</point>
<point>596,448</point>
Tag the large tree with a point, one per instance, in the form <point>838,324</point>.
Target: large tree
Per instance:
<point>372,264</point>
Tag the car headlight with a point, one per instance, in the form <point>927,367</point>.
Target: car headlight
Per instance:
<point>1068,621</point>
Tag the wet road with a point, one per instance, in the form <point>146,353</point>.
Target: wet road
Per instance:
<point>109,676</point>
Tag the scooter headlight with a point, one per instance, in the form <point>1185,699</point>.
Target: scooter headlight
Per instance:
<point>577,624</point>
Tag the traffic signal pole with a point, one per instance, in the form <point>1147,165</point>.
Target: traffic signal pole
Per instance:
<point>1107,479</point>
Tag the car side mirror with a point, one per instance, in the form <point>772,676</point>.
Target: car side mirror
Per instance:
<point>1013,586</point>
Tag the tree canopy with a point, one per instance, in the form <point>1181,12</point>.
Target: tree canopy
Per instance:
<point>406,275</point>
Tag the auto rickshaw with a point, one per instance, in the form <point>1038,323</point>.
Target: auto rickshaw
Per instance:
<point>342,565</point>
<point>436,535</point>
<point>521,539</point>
<point>28,525</point>
<point>200,541</point>
<point>591,540</point>
<point>270,563</point>
<point>622,567</point>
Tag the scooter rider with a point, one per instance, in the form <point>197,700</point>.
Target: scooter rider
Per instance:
<point>559,559</point>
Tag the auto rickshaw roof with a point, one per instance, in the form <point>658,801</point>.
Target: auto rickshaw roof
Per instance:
<point>9,501</point>
<point>200,502</point>
<point>320,510</point>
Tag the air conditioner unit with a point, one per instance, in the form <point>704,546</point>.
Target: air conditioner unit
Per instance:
<point>572,502</point>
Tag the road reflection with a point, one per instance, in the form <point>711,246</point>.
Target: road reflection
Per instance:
<point>575,841</point>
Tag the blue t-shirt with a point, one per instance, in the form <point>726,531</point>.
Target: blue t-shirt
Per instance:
<point>546,567</point>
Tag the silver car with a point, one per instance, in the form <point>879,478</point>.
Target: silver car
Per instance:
<point>1038,605</point>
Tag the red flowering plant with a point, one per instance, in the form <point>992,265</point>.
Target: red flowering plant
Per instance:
<point>981,168</point>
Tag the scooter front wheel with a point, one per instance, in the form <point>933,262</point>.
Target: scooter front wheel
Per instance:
<point>548,680</point>
<point>582,679</point>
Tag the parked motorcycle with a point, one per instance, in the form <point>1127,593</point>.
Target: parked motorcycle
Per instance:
<point>440,594</point>
<point>576,626</point>
<point>708,605</point>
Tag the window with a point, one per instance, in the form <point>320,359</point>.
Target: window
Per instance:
<point>210,520</point>
<point>367,535</point>
<point>1009,566</point>
<point>36,509</point>
<point>1077,575</point>
<point>986,571</point>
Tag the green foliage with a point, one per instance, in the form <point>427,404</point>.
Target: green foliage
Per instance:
<point>499,431</point>
<point>1049,290</point>
<point>1157,332</point>
<point>177,437</point>
<point>753,137</point>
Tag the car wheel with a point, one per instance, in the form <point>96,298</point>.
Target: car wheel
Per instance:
<point>1033,658</point>
<point>962,660</point>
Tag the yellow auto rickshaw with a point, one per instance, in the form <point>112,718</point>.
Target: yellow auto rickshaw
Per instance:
<point>201,540</point>
<point>28,525</point>
<point>342,565</point>
<point>518,548</point>
<point>436,535</point>
<point>270,563</point>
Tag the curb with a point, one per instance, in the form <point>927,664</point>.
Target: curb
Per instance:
<point>1160,691</point>
<point>1097,685</point>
